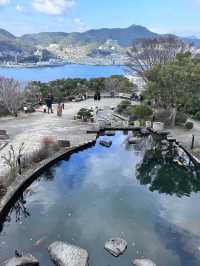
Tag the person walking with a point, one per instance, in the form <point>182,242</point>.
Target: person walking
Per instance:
<point>59,110</point>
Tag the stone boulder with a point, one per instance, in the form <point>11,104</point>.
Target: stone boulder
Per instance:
<point>116,246</point>
<point>134,140</point>
<point>26,260</point>
<point>110,133</point>
<point>64,254</point>
<point>143,262</point>
<point>64,143</point>
<point>106,143</point>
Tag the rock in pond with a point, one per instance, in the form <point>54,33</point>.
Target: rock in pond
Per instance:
<point>134,140</point>
<point>143,262</point>
<point>25,260</point>
<point>110,133</point>
<point>116,246</point>
<point>106,143</point>
<point>64,254</point>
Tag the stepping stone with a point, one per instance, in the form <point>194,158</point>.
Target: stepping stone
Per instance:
<point>134,140</point>
<point>116,246</point>
<point>143,262</point>
<point>64,254</point>
<point>26,260</point>
<point>106,143</point>
<point>4,137</point>
<point>110,133</point>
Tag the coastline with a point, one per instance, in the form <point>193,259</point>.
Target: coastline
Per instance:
<point>33,65</point>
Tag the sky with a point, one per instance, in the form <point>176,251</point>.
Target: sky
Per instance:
<point>181,17</point>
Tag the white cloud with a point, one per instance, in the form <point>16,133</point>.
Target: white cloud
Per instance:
<point>53,7</point>
<point>4,2</point>
<point>80,25</point>
<point>19,8</point>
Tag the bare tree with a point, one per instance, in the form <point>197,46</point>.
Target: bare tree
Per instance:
<point>12,160</point>
<point>145,53</point>
<point>11,96</point>
<point>32,92</point>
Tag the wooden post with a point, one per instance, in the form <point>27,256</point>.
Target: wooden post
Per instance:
<point>19,164</point>
<point>192,145</point>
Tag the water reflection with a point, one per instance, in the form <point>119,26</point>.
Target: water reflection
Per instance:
<point>19,210</point>
<point>166,169</point>
<point>95,196</point>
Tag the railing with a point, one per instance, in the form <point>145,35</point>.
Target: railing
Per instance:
<point>117,95</point>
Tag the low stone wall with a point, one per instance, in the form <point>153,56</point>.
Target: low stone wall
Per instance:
<point>25,180</point>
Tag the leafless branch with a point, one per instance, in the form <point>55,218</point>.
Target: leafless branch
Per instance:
<point>145,53</point>
<point>11,96</point>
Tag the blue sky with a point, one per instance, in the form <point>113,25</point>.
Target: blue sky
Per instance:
<point>170,16</point>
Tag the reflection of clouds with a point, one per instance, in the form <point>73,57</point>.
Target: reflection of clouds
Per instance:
<point>113,165</point>
<point>46,196</point>
<point>182,212</point>
<point>127,213</point>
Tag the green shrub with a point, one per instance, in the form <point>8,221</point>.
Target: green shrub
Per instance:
<point>189,125</point>
<point>84,114</point>
<point>142,111</point>
<point>121,108</point>
<point>197,116</point>
<point>130,112</point>
<point>181,119</point>
<point>192,105</point>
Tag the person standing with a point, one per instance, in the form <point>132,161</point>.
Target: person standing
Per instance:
<point>49,103</point>
<point>59,110</point>
<point>98,96</point>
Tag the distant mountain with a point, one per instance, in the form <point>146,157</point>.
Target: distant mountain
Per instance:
<point>10,43</point>
<point>44,38</point>
<point>5,35</point>
<point>94,46</point>
<point>124,37</point>
<point>192,40</point>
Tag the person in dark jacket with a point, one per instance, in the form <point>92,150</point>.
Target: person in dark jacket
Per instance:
<point>49,102</point>
<point>98,96</point>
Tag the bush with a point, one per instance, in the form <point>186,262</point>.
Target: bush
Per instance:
<point>85,114</point>
<point>181,119</point>
<point>197,116</point>
<point>142,111</point>
<point>122,107</point>
<point>189,125</point>
<point>192,105</point>
<point>130,112</point>
<point>48,147</point>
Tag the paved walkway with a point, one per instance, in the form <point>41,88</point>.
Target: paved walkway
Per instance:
<point>185,137</point>
<point>31,128</point>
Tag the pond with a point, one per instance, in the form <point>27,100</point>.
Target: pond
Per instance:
<point>147,194</point>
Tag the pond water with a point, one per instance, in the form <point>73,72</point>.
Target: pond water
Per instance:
<point>46,74</point>
<point>146,194</point>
